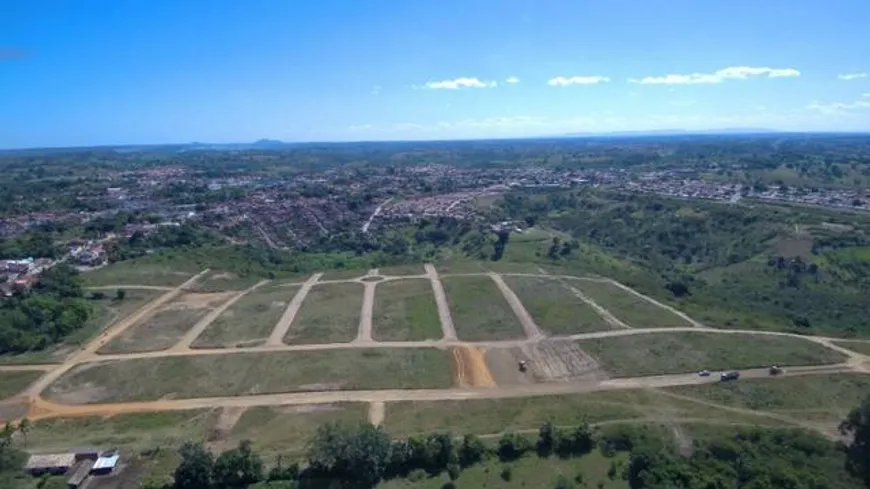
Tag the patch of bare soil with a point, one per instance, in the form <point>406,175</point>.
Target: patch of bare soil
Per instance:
<point>546,361</point>
<point>504,364</point>
<point>225,423</point>
<point>198,300</point>
<point>308,408</point>
<point>223,276</point>
<point>84,394</point>
<point>470,368</point>
<point>13,409</point>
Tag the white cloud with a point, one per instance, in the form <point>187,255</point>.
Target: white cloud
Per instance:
<point>457,83</point>
<point>564,81</point>
<point>852,76</point>
<point>512,80</point>
<point>839,107</point>
<point>719,76</point>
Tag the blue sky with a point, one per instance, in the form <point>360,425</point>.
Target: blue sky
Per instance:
<point>129,72</point>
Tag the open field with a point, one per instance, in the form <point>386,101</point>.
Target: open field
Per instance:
<point>818,397</point>
<point>480,312</point>
<point>106,313</point>
<point>287,430</point>
<point>249,321</point>
<point>530,472</point>
<point>11,383</point>
<point>217,281</point>
<point>132,273</point>
<point>405,310</point>
<point>329,314</point>
<point>555,308</point>
<point>862,347</point>
<point>627,307</point>
<point>238,374</point>
<point>459,266</point>
<point>399,270</point>
<point>672,353</point>
<point>165,327</point>
<point>344,274</point>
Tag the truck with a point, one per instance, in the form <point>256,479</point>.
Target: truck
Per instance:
<point>726,376</point>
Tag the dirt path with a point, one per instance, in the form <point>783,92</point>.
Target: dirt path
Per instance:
<point>604,313</point>
<point>364,333</point>
<point>280,330</point>
<point>89,351</point>
<point>377,411</point>
<point>658,303</point>
<point>365,227</point>
<point>529,326</point>
<point>130,287</point>
<point>470,368</point>
<point>447,327</point>
<point>33,367</point>
<point>200,326</point>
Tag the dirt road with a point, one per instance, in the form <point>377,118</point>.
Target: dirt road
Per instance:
<point>529,326</point>
<point>604,313</point>
<point>280,330</point>
<point>130,287</point>
<point>376,413</point>
<point>658,303</point>
<point>184,343</point>
<point>444,315</point>
<point>364,332</point>
<point>35,367</point>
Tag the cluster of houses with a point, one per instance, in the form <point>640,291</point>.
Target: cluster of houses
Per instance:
<point>80,465</point>
<point>87,253</point>
<point>20,275</point>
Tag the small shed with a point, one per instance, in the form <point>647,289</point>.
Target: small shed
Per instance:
<point>80,474</point>
<point>51,463</point>
<point>105,464</point>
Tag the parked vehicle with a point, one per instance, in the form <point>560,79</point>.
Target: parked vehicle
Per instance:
<point>704,373</point>
<point>726,376</point>
<point>774,370</point>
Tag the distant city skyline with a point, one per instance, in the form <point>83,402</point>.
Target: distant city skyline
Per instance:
<point>166,72</point>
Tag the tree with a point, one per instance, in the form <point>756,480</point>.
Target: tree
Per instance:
<point>358,456</point>
<point>512,446</point>
<point>237,468</point>
<point>548,438</point>
<point>857,426</point>
<point>6,435</point>
<point>471,451</point>
<point>120,294</point>
<point>24,428</point>
<point>196,468</point>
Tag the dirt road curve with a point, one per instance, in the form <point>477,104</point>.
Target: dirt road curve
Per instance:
<point>130,287</point>
<point>447,327</point>
<point>529,326</point>
<point>277,336</point>
<point>184,343</point>
<point>41,409</point>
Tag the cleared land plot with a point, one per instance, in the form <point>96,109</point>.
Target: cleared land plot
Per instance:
<point>12,383</point>
<point>529,472</point>
<point>106,313</point>
<point>405,310</point>
<point>253,373</point>
<point>344,274</point>
<point>169,428</point>
<point>818,397</point>
<point>862,347</point>
<point>217,281</point>
<point>288,429</point>
<point>460,266</point>
<point>554,307</point>
<point>329,314</point>
<point>401,270</point>
<point>249,321</point>
<point>132,273</point>
<point>479,310</point>
<point>629,308</point>
<point>163,329</point>
<point>675,353</point>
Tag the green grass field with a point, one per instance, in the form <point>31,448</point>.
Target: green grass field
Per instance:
<point>627,307</point>
<point>344,274</point>
<point>238,374</point>
<point>459,265</point>
<point>479,310</point>
<point>165,327</point>
<point>401,270</point>
<point>286,430</point>
<point>12,383</point>
<point>218,281</point>
<point>676,353</point>
<point>249,321</point>
<point>554,307</point>
<point>106,313</point>
<point>134,273</point>
<point>530,472</point>
<point>329,314</point>
<point>862,347</point>
<point>405,310</point>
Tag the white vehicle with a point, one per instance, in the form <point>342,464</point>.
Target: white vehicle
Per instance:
<point>704,373</point>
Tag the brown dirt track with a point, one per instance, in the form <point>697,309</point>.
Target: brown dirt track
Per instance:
<point>470,368</point>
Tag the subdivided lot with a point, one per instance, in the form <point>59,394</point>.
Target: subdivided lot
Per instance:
<point>217,281</point>
<point>554,307</point>
<point>287,430</point>
<point>528,472</point>
<point>164,328</point>
<point>676,353</point>
<point>249,321</point>
<point>480,312</point>
<point>344,274</point>
<point>12,383</point>
<point>107,312</point>
<point>238,374</point>
<point>405,310</point>
<point>402,270</point>
<point>132,273</point>
<point>862,347</point>
<point>131,430</point>
<point>459,266</point>
<point>808,397</point>
<point>629,308</point>
<point>329,314</point>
